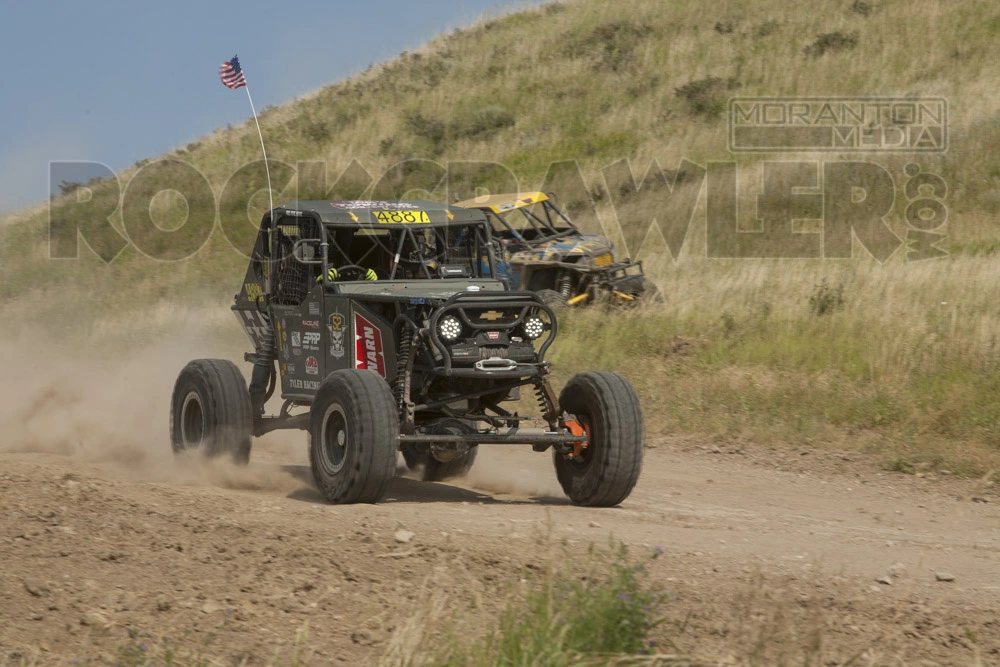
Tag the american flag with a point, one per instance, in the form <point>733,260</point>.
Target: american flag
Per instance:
<point>232,74</point>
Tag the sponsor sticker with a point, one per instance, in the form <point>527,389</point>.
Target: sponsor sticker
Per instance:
<point>373,203</point>
<point>336,330</point>
<point>493,335</point>
<point>295,383</point>
<point>310,341</point>
<point>296,339</point>
<point>314,308</point>
<point>253,291</point>
<point>310,324</point>
<point>368,346</point>
<point>312,366</point>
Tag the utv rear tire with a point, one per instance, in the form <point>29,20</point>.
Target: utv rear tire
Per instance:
<point>608,469</point>
<point>210,410</point>
<point>552,298</point>
<point>353,437</point>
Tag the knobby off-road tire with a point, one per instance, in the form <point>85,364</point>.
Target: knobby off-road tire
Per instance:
<point>607,470</point>
<point>210,410</point>
<point>353,437</point>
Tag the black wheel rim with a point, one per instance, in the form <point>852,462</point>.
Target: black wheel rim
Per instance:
<point>333,440</point>
<point>192,420</point>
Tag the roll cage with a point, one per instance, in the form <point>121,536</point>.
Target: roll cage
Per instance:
<point>294,248</point>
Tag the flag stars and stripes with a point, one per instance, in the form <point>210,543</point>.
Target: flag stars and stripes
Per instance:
<point>232,74</point>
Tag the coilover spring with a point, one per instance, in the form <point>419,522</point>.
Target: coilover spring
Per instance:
<point>398,389</point>
<point>542,401</point>
<point>566,284</point>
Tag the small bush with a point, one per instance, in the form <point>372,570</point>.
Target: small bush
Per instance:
<point>831,42</point>
<point>861,7</point>
<point>725,27</point>
<point>482,121</point>
<point>826,299</point>
<point>766,29</point>
<point>899,464</point>
<point>612,45</point>
<point>429,128</point>
<point>706,97</point>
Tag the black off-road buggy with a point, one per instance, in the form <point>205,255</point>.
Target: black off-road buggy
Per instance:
<point>544,252</point>
<point>429,360</point>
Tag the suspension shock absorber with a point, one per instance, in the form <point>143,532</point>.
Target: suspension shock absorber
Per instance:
<point>547,402</point>
<point>405,342</point>
<point>404,375</point>
<point>565,284</point>
<point>263,377</point>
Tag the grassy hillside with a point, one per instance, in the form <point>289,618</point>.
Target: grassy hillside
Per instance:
<point>899,357</point>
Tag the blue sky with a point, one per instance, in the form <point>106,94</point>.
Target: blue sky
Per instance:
<point>114,81</point>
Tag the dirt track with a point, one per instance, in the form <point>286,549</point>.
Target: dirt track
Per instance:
<point>102,557</point>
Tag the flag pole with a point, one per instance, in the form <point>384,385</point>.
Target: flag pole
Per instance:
<point>267,170</point>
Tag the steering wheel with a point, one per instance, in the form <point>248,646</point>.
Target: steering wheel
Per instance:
<point>351,272</point>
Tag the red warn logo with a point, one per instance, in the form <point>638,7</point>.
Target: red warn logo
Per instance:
<point>368,346</point>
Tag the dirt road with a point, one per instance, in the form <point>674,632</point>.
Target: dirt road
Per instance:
<point>769,556</point>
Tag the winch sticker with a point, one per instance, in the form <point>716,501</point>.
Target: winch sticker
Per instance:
<point>368,346</point>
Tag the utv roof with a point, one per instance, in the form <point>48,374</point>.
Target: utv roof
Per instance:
<point>504,203</point>
<point>380,212</point>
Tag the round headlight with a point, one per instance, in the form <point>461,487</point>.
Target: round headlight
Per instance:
<point>533,327</point>
<point>450,328</point>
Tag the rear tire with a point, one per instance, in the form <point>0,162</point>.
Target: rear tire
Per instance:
<point>353,437</point>
<point>608,469</point>
<point>552,298</point>
<point>210,410</point>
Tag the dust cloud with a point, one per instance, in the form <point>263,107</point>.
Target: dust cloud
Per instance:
<point>516,471</point>
<point>104,399</point>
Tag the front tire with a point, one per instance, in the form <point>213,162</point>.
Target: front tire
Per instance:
<point>353,437</point>
<point>210,410</point>
<point>608,468</point>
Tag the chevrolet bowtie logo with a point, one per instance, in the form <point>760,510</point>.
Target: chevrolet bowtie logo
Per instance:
<point>491,315</point>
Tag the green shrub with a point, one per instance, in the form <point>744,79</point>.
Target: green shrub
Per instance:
<point>568,617</point>
<point>429,128</point>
